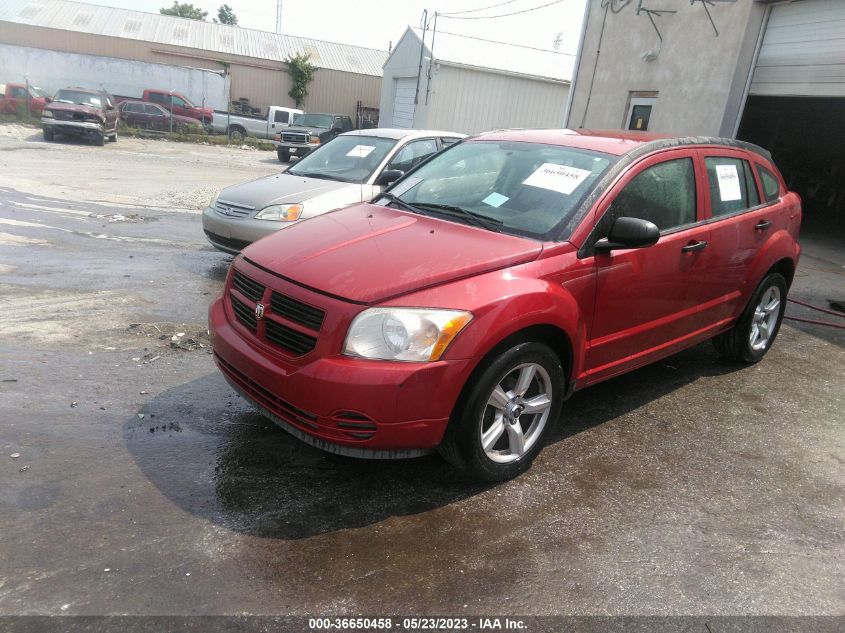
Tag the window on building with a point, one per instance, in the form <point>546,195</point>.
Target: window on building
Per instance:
<point>732,186</point>
<point>638,112</point>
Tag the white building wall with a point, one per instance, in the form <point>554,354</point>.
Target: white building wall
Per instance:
<point>470,101</point>
<point>53,70</point>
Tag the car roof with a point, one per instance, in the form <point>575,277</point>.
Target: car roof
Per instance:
<point>616,142</point>
<point>399,133</point>
<point>88,90</point>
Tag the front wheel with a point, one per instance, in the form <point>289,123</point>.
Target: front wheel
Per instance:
<point>501,424</point>
<point>113,136</point>
<point>284,157</point>
<point>48,136</point>
<point>753,335</point>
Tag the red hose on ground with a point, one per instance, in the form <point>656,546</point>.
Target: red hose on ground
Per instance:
<point>815,322</point>
<point>812,307</point>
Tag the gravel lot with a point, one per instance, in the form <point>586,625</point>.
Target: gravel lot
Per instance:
<point>141,484</point>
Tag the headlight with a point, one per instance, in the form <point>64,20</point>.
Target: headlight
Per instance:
<point>406,334</point>
<point>314,140</point>
<point>280,212</point>
<point>47,114</point>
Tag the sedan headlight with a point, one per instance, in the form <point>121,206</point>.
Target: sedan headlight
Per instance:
<point>405,334</point>
<point>280,212</point>
<point>47,114</point>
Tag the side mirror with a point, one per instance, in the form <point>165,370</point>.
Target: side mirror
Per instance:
<point>629,233</point>
<point>388,177</point>
<point>48,99</point>
<point>110,106</point>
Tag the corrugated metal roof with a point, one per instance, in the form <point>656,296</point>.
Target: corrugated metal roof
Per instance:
<point>206,36</point>
<point>464,50</point>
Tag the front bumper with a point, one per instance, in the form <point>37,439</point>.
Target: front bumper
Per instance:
<point>232,235</point>
<point>354,407</point>
<point>296,149</point>
<point>75,128</point>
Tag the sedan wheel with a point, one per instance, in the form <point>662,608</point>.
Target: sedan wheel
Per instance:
<point>765,319</point>
<point>504,415</point>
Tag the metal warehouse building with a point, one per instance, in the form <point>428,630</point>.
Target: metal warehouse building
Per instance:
<point>469,85</point>
<point>33,31</point>
<point>766,71</point>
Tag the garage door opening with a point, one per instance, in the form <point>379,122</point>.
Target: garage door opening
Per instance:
<point>805,136</point>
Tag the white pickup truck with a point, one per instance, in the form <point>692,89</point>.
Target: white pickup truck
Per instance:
<point>237,126</point>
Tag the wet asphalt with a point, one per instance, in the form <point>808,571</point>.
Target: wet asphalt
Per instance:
<point>144,485</point>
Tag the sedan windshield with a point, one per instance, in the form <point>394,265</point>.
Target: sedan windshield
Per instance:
<point>521,188</point>
<point>313,120</point>
<point>345,158</point>
<point>79,98</point>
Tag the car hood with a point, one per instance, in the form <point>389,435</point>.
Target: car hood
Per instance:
<point>367,253</point>
<point>281,189</point>
<point>73,107</point>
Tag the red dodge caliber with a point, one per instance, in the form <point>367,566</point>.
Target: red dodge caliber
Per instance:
<point>460,308</point>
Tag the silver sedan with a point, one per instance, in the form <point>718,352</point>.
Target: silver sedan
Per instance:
<point>351,168</point>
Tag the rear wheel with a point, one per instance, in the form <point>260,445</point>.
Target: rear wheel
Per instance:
<point>501,425</point>
<point>237,133</point>
<point>753,335</point>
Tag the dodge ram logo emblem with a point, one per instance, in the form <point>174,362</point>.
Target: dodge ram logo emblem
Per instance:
<point>259,311</point>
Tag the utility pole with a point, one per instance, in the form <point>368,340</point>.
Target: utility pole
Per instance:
<point>279,16</point>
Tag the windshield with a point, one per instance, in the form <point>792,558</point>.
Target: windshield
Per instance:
<point>79,98</point>
<point>345,158</point>
<point>37,92</point>
<point>521,188</point>
<point>314,120</point>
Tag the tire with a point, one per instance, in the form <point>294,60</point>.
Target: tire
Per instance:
<point>237,133</point>
<point>113,137</point>
<point>490,414</point>
<point>756,330</point>
<point>284,157</point>
<point>48,136</point>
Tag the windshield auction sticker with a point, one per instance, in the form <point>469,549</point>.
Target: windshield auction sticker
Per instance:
<point>361,151</point>
<point>728,183</point>
<point>558,178</point>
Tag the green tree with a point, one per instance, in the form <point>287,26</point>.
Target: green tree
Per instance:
<point>301,71</point>
<point>226,15</point>
<point>185,10</point>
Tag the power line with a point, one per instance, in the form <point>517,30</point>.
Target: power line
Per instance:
<point>501,15</point>
<point>492,6</point>
<point>482,39</point>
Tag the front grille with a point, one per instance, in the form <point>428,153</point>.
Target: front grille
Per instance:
<point>244,314</point>
<point>247,287</point>
<point>288,338</point>
<point>296,311</point>
<point>232,209</point>
<point>295,137</point>
<point>64,116</point>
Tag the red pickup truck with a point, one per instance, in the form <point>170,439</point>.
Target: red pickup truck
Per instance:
<point>15,96</point>
<point>179,103</point>
<point>460,308</point>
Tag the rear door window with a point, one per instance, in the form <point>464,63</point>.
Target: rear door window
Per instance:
<point>732,186</point>
<point>771,184</point>
<point>281,116</point>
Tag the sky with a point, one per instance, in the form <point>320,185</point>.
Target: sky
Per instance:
<point>377,23</point>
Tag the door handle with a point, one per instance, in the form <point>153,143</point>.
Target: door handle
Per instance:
<point>694,246</point>
<point>762,225</point>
